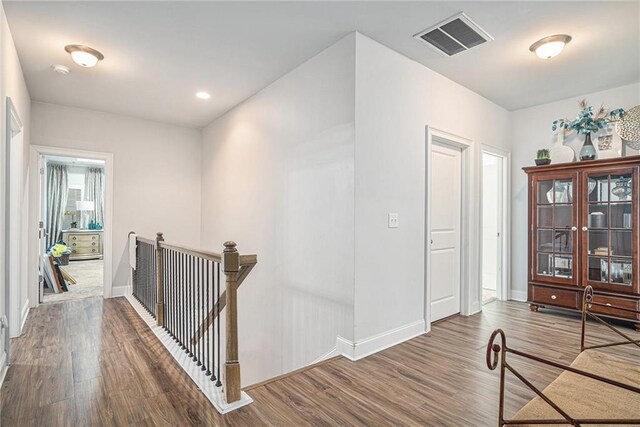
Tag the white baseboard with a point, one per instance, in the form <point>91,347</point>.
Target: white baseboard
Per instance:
<point>518,295</point>
<point>120,291</point>
<point>368,346</point>
<point>204,383</point>
<point>4,366</point>
<point>23,315</point>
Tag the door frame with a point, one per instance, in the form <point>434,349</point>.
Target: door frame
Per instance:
<point>469,292</point>
<point>504,290</point>
<point>13,275</point>
<point>36,198</point>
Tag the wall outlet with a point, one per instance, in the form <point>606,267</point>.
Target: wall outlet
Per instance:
<point>393,220</point>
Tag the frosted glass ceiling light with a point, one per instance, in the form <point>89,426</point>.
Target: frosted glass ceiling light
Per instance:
<point>202,95</point>
<point>551,46</point>
<point>84,56</point>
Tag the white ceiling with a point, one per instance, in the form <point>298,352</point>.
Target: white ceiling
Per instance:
<point>158,54</point>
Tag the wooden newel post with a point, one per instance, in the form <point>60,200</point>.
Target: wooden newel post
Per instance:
<point>231,267</point>
<point>159,283</point>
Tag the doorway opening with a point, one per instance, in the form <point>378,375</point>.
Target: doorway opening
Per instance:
<point>71,240</point>
<point>494,215</point>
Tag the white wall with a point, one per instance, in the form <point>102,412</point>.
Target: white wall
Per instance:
<point>12,85</point>
<point>156,172</point>
<point>278,179</point>
<point>530,131</point>
<point>395,99</point>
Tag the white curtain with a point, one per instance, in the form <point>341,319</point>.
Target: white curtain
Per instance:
<point>94,192</point>
<point>57,188</point>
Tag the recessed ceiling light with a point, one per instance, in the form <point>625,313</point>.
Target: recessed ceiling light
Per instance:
<point>203,95</point>
<point>84,56</point>
<point>60,69</point>
<point>551,46</point>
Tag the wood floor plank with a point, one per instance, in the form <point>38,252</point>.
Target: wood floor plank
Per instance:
<point>93,362</point>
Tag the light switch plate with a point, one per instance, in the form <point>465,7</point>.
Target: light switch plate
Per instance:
<point>393,220</point>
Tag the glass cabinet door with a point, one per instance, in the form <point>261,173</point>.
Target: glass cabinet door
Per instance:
<point>554,229</point>
<point>609,229</point>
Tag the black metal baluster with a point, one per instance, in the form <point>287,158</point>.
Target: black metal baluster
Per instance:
<point>149,273</point>
<point>181,304</point>
<point>202,313</point>
<point>218,383</point>
<point>169,307</point>
<point>194,284</point>
<point>174,296</point>
<point>215,319</point>
<point>146,279</point>
<point>148,294</point>
<point>188,304</point>
<point>207,336</point>
<point>195,330</point>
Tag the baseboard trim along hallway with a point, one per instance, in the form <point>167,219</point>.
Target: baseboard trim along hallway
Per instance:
<point>204,383</point>
<point>368,346</point>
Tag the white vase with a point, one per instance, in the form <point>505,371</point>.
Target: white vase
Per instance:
<point>560,153</point>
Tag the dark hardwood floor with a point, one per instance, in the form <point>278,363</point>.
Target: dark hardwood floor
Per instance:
<point>94,362</point>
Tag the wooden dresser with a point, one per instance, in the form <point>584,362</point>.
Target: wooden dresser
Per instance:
<point>583,230</point>
<point>85,244</point>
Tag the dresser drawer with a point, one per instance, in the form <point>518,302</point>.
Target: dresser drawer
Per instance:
<point>82,238</point>
<point>85,251</point>
<point>614,301</point>
<point>554,296</point>
<point>85,244</point>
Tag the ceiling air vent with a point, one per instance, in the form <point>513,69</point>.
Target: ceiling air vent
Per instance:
<point>454,35</point>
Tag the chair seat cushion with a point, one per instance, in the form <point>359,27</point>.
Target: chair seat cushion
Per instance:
<point>582,397</point>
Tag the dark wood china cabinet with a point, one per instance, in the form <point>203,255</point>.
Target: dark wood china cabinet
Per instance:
<point>583,230</point>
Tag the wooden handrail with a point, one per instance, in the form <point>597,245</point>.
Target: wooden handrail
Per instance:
<point>211,256</point>
<point>145,240</point>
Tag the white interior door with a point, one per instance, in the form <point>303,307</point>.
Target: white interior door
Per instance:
<point>445,212</point>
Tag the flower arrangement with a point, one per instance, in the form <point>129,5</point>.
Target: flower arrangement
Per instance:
<point>587,120</point>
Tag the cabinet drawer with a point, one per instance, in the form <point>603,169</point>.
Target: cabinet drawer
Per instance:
<point>84,238</point>
<point>85,244</point>
<point>614,301</point>
<point>86,251</point>
<point>553,296</point>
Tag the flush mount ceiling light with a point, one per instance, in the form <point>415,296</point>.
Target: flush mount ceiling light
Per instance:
<point>84,56</point>
<point>551,46</point>
<point>60,69</point>
<point>202,95</point>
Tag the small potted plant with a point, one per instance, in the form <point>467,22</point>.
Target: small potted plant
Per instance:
<point>542,157</point>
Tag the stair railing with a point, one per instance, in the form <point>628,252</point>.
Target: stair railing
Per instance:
<point>181,288</point>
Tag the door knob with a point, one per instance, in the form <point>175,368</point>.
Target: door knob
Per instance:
<point>574,228</point>
<point>585,228</point>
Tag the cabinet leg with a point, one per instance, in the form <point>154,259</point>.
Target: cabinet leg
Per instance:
<point>636,326</point>
<point>534,307</point>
